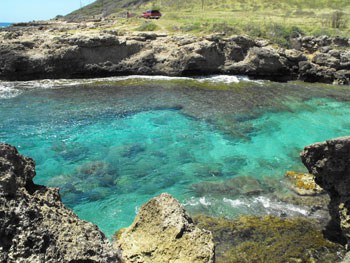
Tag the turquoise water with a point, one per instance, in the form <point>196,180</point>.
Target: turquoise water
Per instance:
<point>112,147</point>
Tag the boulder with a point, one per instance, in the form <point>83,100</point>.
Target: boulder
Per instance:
<point>34,224</point>
<point>303,183</point>
<point>312,72</point>
<point>342,77</point>
<point>163,232</point>
<point>261,62</point>
<point>324,59</point>
<point>329,162</point>
<point>345,60</point>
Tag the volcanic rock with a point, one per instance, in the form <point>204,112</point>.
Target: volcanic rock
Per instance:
<point>329,162</point>
<point>34,224</point>
<point>163,232</point>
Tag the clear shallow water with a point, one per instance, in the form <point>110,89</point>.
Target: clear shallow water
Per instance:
<point>112,144</point>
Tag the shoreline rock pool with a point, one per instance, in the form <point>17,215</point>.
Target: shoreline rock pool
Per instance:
<point>112,144</point>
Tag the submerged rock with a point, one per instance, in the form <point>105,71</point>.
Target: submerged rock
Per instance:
<point>303,183</point>
<point>269,239</point>
<point>34,224</point>
<point>329,162</point>
<point>240,185</point>
<point>163,232</point>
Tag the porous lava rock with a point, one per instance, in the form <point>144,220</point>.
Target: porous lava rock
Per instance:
<point>35,226</point>
<point>329,162</point>
<point>164,232</point>
<point>88,49</point>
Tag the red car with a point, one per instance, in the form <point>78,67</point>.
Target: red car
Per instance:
<point>152,14</point>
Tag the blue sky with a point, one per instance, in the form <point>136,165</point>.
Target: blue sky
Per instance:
<point>28,10</point>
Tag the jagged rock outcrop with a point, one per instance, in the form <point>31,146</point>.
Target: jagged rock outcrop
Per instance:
<point>163,232</point>
<point>328,61</point>
<point>34,224</point>
<point>34,51</point>
<point>329,162</point>
<point>265,61</point>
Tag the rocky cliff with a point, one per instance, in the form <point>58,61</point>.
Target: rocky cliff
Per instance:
<point>329,161</point>
<point>69,50</point>
<point>34,224</point>
<point>36,227</point>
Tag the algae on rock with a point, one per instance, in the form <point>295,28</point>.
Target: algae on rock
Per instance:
<point>303,183</point>
<point>269,239</point>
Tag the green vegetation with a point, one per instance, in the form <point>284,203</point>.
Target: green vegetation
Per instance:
<point>269,239</point>
<point>276,20</point>
<point>147,26</point>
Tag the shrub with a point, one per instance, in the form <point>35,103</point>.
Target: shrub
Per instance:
<point>223,28</point>
<point>147,26</point>
<point>191,27</point>
<point>281,34</point>
<point>338,19</point>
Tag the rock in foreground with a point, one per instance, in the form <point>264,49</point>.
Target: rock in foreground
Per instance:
<point>329,161</point>
<point>163,232</point>
<point>34,224</point>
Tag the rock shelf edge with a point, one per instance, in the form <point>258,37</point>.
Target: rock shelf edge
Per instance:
<point>62,50</point>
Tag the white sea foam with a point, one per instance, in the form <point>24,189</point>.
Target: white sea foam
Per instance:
<point>263,205</point>
<point>234,203</point>
<point>193,201</point>
<point>156,77</point>
<point>14,88</point>
<point>272,206</point>
<point>227,79</point>
<point>8,91</point>
<point>203,201</point>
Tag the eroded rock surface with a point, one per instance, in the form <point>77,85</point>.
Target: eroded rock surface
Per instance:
<point>163,232</point>
<point>303,183</point>
<point>93,49</point>
<point>329,162</point>
<point>34,224</point>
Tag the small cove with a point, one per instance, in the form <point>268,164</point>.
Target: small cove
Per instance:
<point>112,144</point>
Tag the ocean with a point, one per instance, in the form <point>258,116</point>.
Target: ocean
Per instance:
<point>4,24</point>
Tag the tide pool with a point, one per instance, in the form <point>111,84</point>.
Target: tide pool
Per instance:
<point>111,147</point>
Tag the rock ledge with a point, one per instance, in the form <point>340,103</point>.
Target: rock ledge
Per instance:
<point>163,232</point>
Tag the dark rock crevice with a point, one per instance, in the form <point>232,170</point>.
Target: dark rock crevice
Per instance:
<point>34,224</point>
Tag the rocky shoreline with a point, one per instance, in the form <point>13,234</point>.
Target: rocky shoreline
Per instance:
<point>36,226</point>
<point>55,49</point>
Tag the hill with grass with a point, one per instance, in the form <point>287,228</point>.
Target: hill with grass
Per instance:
<point>105,8</point>
<point>276,20</point>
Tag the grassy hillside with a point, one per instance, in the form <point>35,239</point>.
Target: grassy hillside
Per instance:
<point>106,7</point>
<point>272,19</point>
